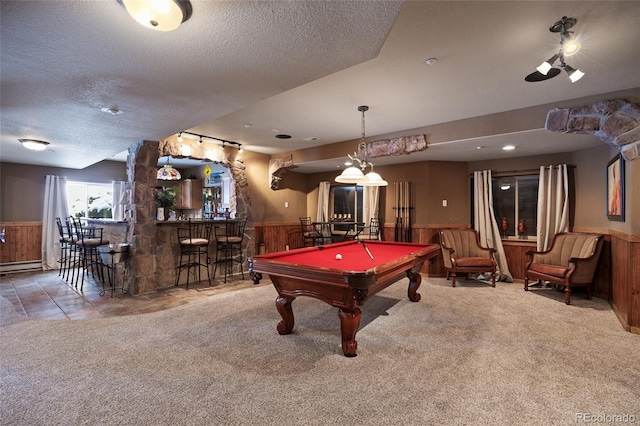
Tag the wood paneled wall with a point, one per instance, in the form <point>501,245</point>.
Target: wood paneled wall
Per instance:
<point>625,280</point>
<point>23,242</point>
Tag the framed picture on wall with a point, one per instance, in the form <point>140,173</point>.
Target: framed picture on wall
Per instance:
<point>615,189</point>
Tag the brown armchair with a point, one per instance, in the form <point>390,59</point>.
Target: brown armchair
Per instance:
<point>571,261</point>
<point>463,253</point>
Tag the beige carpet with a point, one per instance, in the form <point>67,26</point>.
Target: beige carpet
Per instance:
<point>466,355</point>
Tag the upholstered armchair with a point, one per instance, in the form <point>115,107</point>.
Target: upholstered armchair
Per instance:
<point>571,261</point>
<point>462,253</point>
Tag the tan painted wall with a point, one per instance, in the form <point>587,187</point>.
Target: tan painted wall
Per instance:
<point>22,186</point>
<point>432,181</point>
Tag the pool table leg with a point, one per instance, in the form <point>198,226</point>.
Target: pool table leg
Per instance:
<point>283,305</point>
<point>415,279</point>
<point>349,323</point>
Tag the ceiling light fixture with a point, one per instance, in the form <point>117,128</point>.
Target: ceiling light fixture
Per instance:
<point>568,47</point>
<point>356,175</point>
<point>201,137</point>
<point>167,172</point>
<point>159,15</point>
<point>34,144</point>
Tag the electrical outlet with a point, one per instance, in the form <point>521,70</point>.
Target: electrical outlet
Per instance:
<point>444,203</point>
<point>286,204</point>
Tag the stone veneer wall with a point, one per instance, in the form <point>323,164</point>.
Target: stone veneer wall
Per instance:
<point>616,122</point>
<point>150,248</point>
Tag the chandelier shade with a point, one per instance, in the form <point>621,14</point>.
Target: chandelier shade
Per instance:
<point>351,175</point>
<point>374,179</point>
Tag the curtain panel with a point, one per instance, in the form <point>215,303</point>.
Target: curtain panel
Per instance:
<point>55,205</point>
<point>485,222</point>
<point>553,204</point>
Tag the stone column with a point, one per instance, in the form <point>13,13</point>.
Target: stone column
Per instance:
<point>141,226</point>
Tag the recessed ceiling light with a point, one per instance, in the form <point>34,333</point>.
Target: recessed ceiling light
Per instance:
<point>283,136</point>
<point>431,61</point>
<point>34,144</point>
<point>112,110</point>
<point>479,147</point>
<point>508,147</point>
<point>311,139</point>
<point>247,125</point>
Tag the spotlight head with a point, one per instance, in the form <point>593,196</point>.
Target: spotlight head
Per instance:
<point>574,74</point>
<point>546,66</point>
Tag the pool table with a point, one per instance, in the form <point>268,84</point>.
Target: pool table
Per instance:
<point>363,270</point>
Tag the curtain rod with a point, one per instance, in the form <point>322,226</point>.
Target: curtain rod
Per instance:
<point>504,173</point>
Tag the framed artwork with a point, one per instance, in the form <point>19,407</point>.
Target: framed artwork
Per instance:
<point>615,189</point>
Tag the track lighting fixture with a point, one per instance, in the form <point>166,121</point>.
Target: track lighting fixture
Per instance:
<point>568,47</point>
<point>202,137</point>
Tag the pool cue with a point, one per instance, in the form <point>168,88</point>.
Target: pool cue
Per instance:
<point>367,249</point>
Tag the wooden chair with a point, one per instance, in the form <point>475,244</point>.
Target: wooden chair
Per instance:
<point>311,236</point>
<point>571,261</point>
<point>194,243</point>
<point>463,253</point>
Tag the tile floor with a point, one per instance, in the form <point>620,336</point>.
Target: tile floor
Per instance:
<point>44,295</point>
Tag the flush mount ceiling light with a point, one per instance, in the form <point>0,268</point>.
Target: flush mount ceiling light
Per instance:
<point>568,47</point>
<point>159,15</point>
<point>356,175</point>
<point>34,144</point>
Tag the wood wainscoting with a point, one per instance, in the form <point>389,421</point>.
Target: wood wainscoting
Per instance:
<point>22,247</point>
<point>625,279</point>
<point>278,236</point>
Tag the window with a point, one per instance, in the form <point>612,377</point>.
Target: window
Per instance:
<point>90,200</point>
<point>515,199</point>
<point>347,200</point>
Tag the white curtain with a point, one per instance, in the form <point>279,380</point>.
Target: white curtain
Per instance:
<point>55,205</point>
<point>119,191</point>
<point>553,204</point>
<point>485,222</point>
<point>370,195</point>
<point>322,214</point>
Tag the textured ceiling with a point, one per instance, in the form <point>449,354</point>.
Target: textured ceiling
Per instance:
<point>300,68</point>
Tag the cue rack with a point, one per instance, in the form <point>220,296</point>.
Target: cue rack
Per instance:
<point>402,231</point>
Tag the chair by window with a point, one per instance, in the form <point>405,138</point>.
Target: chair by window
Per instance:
<point>229,237</point>
<point>194,243</point>
<point>571,261</point>
<point>371,232</point>
<point>463,253</point>
<point>88,239</point>
<point>66,241</point>
<point>311,236</point>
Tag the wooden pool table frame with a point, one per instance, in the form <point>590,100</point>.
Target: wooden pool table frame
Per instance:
<point>343,289</point>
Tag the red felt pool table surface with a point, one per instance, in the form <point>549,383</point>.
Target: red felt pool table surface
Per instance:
<point>354,256</point>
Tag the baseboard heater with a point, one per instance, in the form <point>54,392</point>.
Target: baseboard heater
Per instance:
<point>15,267</point>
